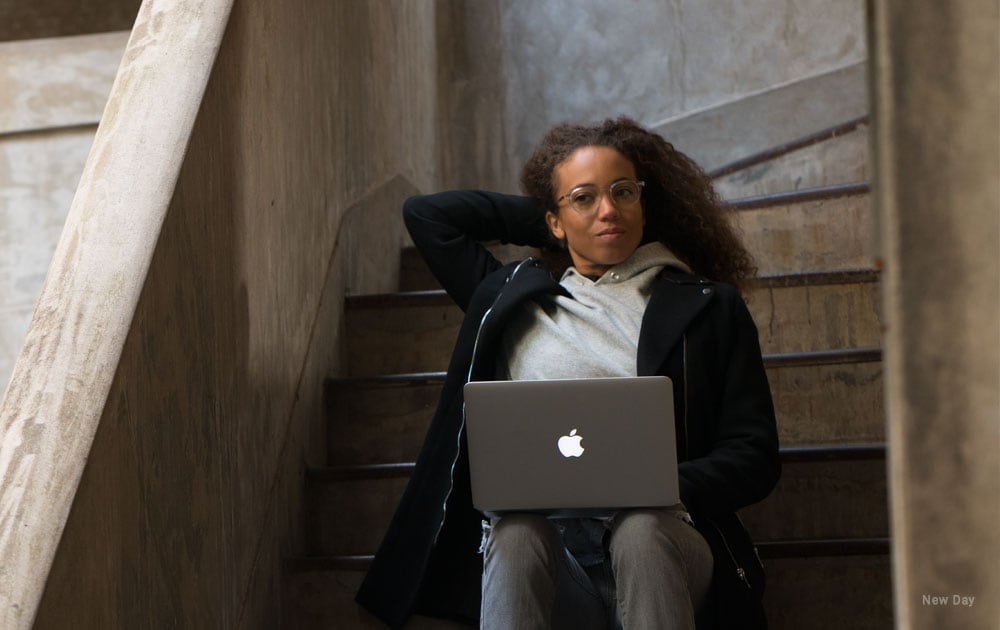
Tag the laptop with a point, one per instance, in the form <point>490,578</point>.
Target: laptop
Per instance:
<point>578,447</point>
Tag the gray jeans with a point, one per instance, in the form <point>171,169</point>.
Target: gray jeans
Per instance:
<point>661,569</point>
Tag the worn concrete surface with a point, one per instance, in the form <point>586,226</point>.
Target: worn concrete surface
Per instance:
<point>736,129</point>
<point>657,61</point>
<point>372,425</point>
<point>63,376</point>
<point>824,235</point>
<point>822,593</point>
<point>829,593</point>
<point>839,160</point>
<point>45,86</point>
<point>937,126</point>
<point>56,82</point>
<point>828,404</point>
<point>322,599</point>
<point>201,444</point>
<point>823,500</point>
<point>21,20</point>
<point>38,176</point>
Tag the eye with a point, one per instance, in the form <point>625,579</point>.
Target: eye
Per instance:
<point>583,197</point>
<point>624,192</point>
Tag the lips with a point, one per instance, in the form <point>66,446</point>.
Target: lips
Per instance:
<point>611,232</point>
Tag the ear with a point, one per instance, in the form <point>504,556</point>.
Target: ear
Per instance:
<point>552,219</point>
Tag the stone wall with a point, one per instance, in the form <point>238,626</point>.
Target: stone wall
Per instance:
<point>317,117</point>
<point>52,93</point>
<point>566,60</point>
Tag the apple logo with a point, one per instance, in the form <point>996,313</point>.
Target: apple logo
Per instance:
<point>569,445</point>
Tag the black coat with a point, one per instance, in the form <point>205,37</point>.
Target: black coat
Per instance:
<point>697,332</point>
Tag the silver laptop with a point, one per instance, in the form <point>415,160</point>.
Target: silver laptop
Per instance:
<point>580,447</point>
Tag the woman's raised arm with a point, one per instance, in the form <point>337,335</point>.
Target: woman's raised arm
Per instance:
<point>449,227</point>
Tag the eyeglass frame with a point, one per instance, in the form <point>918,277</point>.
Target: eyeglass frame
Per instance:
<point>603,190</point>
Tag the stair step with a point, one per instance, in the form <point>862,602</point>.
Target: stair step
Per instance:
<point>379,420</point>
<point>820,398</point>
<point>808,230</point>
<point>823,493</point>
<point>829,593</point>
<point>819,585</point>
<point>403,332</point>
<point>825,499</point>
<point>319,595</point>
<point>836,154</point>
<point>414,275</point>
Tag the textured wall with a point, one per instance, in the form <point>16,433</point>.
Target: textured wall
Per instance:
<point>937,130</point>
<point>52,93</point>
<point>569,60</point>
<point>35,19</point>
<point>190,496</point>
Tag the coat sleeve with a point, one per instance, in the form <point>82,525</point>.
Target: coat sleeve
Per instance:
<point>742,464</point>
<point>449,227</point>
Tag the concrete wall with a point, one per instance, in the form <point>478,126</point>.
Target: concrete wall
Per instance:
<point>317,117</point>
<point>937,130</point>
<point>566,60</point>
<point>37,19</point>
<point>52,93</point>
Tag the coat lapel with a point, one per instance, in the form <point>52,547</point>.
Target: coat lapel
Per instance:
<point>677,298</point>
<point>519,285</point>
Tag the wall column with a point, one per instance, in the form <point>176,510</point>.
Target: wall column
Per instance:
<point>936,91</point>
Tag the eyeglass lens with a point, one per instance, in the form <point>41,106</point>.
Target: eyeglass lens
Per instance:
<point>586,199</point>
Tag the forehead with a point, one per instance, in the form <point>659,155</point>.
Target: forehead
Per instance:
<point>597,165</point>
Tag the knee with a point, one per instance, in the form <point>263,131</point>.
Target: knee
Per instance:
<point>528,536</point>
<point>640,532</point>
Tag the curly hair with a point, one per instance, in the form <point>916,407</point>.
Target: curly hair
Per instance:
<point>682,209</point>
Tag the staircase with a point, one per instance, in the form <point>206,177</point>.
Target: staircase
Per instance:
<point>805,212</point>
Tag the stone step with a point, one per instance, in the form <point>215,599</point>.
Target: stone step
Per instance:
<point>820,398</point>
<point>415,275</point>
<point>405,332</point>
<point>829,592</point>
<point>716,136</point>
<point>808,230</point>
<point>831,156</point>
<point>841,497</point>
<point>318,594</point>
<point>819,585</point>
<point>823,493</point>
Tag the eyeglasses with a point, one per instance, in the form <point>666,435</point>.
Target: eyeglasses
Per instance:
<point>586,199</point>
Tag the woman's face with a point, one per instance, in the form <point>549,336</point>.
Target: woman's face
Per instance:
<point>609,234</point>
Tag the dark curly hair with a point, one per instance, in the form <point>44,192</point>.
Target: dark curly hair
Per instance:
<point>682,209</point>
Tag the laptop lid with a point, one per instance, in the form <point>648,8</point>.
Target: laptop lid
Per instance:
<point>571,447</point>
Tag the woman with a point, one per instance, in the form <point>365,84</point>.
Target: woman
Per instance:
<point>650,290</point>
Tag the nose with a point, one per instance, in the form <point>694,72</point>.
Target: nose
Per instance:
<point>606,210</point>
